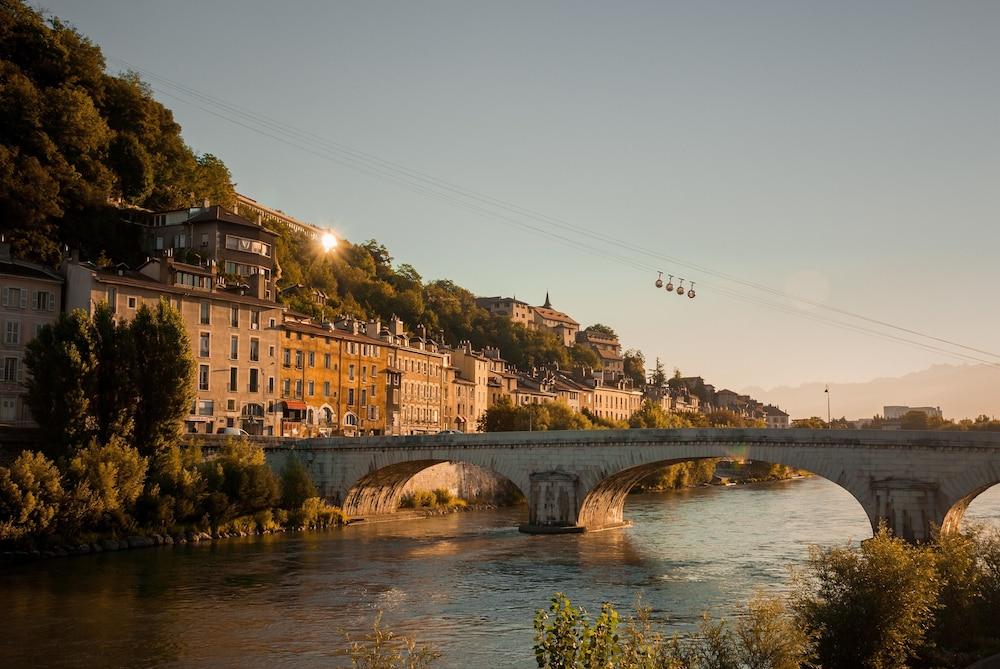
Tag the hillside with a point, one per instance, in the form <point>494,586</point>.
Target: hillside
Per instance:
<point>962,391</point>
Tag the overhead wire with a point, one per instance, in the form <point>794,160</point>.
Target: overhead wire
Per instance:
<point>430,186</point>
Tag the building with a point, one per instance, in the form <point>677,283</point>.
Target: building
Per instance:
<point>897,412</point>
<point>508,307</point>
<point>30,297</point>
<point>233,334</point>
<point>252,210</point>
<point>607,348</point>
<point>615,400</point>
<point>472,383</point>
<point>556,322</point>
<point>775,417</point>
<point>242,251</point>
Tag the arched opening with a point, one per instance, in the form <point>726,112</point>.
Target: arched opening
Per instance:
<point>380,492</point>
<point>982,506</point>
<point>604,504</point>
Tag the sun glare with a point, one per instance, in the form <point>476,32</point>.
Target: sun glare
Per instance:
<point>329,241</point>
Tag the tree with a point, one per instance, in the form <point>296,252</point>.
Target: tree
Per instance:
<point>813,423</point>
<point>296,485</point>
<point>601,329</point>
<point>635,367</point>
<point>871,607</point>
<point>31,493</point>
<point>651,415</point>
<point>113,475</point>
<point>61,362</point>
<point>659,378</point>
<point>164,379</point>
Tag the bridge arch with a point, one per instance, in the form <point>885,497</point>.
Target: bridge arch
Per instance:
<point>379,490</point>
<point>965,488</point>
<point>602,504</point>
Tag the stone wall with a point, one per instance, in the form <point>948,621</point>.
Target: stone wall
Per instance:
<point>464,480</point>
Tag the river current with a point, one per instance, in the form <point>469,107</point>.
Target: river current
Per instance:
<point>466,583</point>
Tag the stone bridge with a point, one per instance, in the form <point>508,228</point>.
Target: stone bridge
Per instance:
<point>578,480</point>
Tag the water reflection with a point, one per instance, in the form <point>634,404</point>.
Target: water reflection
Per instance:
<point>469,583</point>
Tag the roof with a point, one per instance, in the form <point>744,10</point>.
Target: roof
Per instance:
<point>28,270</point>
<point>607,355</point>
<point>220,213</point>
<point>774,411</point>
<point>485,301</point>
<point>553,315</point>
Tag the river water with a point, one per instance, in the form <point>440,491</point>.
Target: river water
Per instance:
<point>467,583</point>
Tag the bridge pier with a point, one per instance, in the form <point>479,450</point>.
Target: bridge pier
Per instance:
<point>552,503</point>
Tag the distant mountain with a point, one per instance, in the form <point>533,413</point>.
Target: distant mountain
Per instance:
<point>962,391</point>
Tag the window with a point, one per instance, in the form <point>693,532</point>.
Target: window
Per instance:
<point>112,299</point>
<point>230,405</point>
<point>233,374</point>
<point>270,384</point>
<point>254,380</point>
<point>180,241</point>
<point>364,397</point>
<point>205,313</point>
<point>326,360</point>
<point>204,240</point>
<point>11,370</point>
<point>286,387</point>
<point>298,359</point>
<point>44,301</point>
<point>131,302</point>
<point>254,349</point>
<point>350,396</point>
<point>326,388</point>
<point>15,298</point>
<point>234,316</point>
<point>270,351</point>
<point>203,345</point>
<point>312,388</point>
<point>364,373</point>
<point>8,409</point>
<point>159,243</point>
<point>312,358</point>
<point>372,395</point>
<point>206,407</point>
<point>298,387</point>
<point>202,377</point>
<point>12,332</point>
<point>234,347</point>
<point>350,372</point>
<point>255,320</point>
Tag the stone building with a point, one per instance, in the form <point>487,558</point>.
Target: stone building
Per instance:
<point>233,334</point>
<point>607,348</point>
<point>473,381</point>
<point>30,297</point>
<point>775,417</point>
<point>556,322</point>
<point>508,307</point>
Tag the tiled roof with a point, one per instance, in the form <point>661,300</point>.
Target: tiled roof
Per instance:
<point>553,315</point>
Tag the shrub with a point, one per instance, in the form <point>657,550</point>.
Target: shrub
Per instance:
<point>314,512</point>
<point>31,493</point>
<point>417,499</point>
<point>114,474</point>
<point>442,497</point>
<point>296,485</point>
<point>383,649</point>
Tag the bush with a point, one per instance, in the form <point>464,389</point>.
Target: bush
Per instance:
<point>31,493</point>
<point>871,607</point>
<point>383,649</point>
<point>296,485</point>
<point>442,497</point>
<point>113,474</point>
<point>315,513</point>
<point>238,483</point>
<point>417,499</point>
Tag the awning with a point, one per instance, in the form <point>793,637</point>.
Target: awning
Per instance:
<point>295,405</point>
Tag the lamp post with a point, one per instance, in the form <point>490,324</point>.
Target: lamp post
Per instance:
<point>827,391</point>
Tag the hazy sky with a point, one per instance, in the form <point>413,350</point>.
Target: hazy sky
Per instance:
<point>846,151</point>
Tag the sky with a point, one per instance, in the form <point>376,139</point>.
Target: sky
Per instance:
<point>846,152</point>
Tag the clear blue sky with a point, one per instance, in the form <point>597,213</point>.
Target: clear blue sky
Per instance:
<point>849,151</point>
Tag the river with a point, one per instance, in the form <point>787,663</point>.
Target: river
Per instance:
<point>467,583</point>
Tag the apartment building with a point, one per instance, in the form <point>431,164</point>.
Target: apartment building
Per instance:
<point>233,334</point>
<point>508,307</point>
<point>615,400</point>
<point>607,348</point>
<point>473,382</point>
<point>30,297</point>
<point>560,324</point>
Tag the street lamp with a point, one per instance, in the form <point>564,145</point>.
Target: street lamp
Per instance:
<point>827,391</point>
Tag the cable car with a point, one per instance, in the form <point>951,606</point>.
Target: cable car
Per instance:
<point>659,280</point>
<point>670,284</point>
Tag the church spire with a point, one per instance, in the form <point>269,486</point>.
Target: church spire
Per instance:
<point>548,302</point>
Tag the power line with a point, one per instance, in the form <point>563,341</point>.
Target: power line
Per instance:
<point>445,191</point>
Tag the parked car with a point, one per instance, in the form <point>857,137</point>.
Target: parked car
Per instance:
<point>449,432</point>
<point>233,432</point>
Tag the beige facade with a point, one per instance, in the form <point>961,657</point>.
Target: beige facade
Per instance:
<point>510,308</point>
<point>234,337</point>
<point>608,350</point>
<point>555,322</point>
<point>30,297</point>
<point>616,401</point>
<point>474,373</point>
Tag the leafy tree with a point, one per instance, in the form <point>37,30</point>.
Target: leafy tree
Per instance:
<point>813,423</point>
<point>602,329</point>
<point>635,367</point>
<point>164,378</point>
<point>61,362</point>
<point>659,378</point>
<point>113,474</point>
<point>239,483</point>
<point>652,415</point>
<point>296,485</point>
<point>31,493</point>
<point>870,607</point>
<point>582,356</point>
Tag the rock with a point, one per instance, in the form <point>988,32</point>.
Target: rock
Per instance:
<point>109,544</point>
<point>168,540</point>
<point>205,536</point>
<point>134,542</point>
<point>181,540</point>
<point>193,536</point>
<point>48,554</point>
<point>95,547</point>
<point>83,549</point>
<point>60,551</point>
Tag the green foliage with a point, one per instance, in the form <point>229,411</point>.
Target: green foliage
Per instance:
<point>871,607</point>
<point>659,378</point>
<point>315,513</point>
<point>113,474</point>
<point>296,485</point>
<point>652,415</point>
<point>681,475</point>
<point>384,649</point>
<point>504,416</point>
<point>175,488</point>
<point>92,378</point>
<point>602,329</point>
<point>239,483</point>
<point>31,493</point>
<point>443,496</point>
<point>635,367</point>
<point>73,137</point>
<point>813,423</point>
